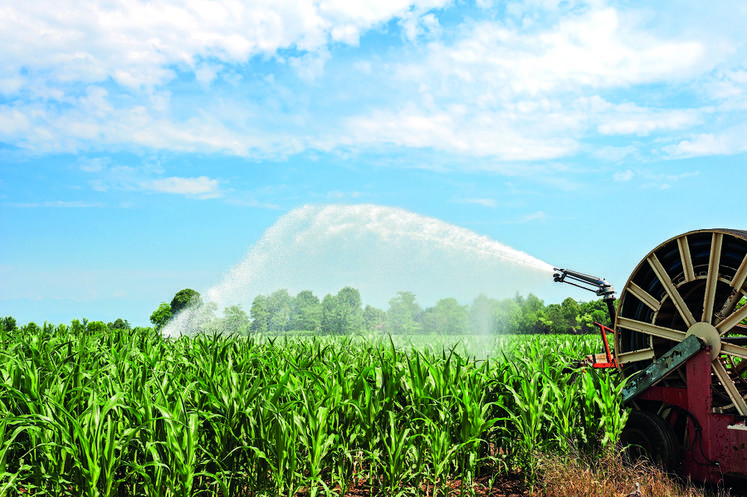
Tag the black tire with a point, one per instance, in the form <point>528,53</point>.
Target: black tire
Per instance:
<point>647,435</point>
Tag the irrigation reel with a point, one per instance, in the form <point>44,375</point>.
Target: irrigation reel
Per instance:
<point>679,337</point>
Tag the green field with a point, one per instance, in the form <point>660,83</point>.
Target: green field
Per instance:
<point>126,412</point>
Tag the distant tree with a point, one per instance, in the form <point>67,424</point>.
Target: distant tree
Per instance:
<point>31,328</point>
<point>159,317</point>
<point>591,312</point>
<point>280,305</point>
<point>77,327</point>
<point>119,324</point>
<point>350,312</point>
<point>260,313</point>
<point>8,323</point>
<point>329,315</point>
<point>306,313</point>
<point>532,314</point>
<point>373,319</point>
<point>183,299</point>
<point>235,320</point>
<point>447,317</point>
<point>404,314</point>
<point>97,327</point>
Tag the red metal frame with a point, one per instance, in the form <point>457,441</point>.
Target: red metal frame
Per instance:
<point>716,444</point>
<point>611,362</point>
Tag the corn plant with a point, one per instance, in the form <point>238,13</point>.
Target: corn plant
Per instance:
<point>88,411</point>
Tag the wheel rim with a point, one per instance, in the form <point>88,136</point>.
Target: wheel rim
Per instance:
<point>690,284</point>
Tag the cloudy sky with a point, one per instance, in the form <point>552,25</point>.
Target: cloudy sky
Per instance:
<point>146,146</point>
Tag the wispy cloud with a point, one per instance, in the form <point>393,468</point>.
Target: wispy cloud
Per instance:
<point>57,204</point>
<point>485,202</point>
<point>728,142</point>
<point>626,175</point>
<point>528,218</point>
<point>651,179</point>
<point>108,175</point>
<point>202,187</point>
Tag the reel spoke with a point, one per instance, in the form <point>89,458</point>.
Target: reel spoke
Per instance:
<point>672,291</point>
<point>651,329</point>
<point>728,384</point>
<point>732,320</point>
<point>687,261</point>
<point>714,262</point>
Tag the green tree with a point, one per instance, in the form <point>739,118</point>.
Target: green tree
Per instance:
<point>280,305</point>
<point>119,324</point>
<point>447,317</point>
<point>260,313</point>
<point>235,320</point>
<point>350,313</point>
<point>404,315</point>
<point>373,319</point>
<point>342,313</point>
<point>183,299</point>
<point>306,312</point>
<point>159,317</point>
<point>8,323</point>
<point>31,328</point>
<point>329,315</point>
<point>96,327</point>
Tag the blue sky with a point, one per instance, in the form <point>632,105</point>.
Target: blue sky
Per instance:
<point>146,146</point>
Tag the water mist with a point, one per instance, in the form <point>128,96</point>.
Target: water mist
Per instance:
<point>378,250</point>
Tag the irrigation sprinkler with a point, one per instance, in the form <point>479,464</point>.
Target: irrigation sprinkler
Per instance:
<point>680,340</point>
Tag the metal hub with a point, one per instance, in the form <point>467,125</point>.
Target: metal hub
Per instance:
<point>708,334</point>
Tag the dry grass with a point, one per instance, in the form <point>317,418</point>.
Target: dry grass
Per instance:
<point>579,476</point>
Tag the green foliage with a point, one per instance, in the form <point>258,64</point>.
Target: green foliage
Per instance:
<point>8,323</point>
<point>119,324</point>
<point>342,314</point>
<point>447,318</point>
<point>404,316</point>
<point>307,312</point>
<point>158,318</point>
<point>373,319</point>
<point>235,320</point>
<point>184,299</point>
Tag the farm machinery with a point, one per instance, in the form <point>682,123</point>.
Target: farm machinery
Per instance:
<point>680,342</point>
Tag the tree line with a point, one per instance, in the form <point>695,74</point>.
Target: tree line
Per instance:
<point>344,313</point>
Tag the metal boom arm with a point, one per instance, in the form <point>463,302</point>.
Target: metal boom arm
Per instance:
<point>599,286</point>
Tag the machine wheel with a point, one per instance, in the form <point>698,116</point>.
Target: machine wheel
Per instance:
<point>692,284</point>
<point>647,435</point>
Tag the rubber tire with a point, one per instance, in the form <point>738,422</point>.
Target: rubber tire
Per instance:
<point>647,435</point>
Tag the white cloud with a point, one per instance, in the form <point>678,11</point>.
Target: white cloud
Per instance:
<point>202,187</point>
<point>59,204</point>
<point>135,42</point>
<point>630,119</point>
<point>107,175</point>
<point>531,87</point>
<point>651,179</point>
<point>596,48</point>
<point>480,134</point>
<point>727,142</point>
<point>485,202</point>
<point>626,175</point>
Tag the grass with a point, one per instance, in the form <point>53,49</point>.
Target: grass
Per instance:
<point>579,475</point>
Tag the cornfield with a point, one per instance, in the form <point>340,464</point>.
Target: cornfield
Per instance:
<point>129,413</point>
